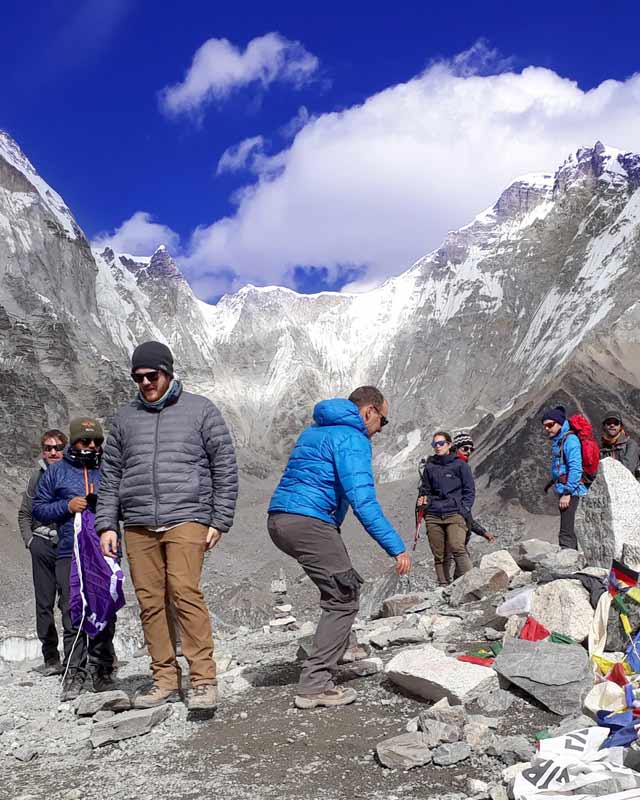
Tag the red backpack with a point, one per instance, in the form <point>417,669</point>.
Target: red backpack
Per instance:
<point>581,427</point>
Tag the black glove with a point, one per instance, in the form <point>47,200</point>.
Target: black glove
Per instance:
<point>92,501</point>
<point>548,486</point>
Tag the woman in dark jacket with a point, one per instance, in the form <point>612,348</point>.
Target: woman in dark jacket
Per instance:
<point>448,491</point>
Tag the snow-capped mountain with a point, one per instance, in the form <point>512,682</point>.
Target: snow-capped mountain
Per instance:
<point>538,290</point>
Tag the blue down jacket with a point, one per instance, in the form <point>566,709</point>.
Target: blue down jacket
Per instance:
<point>570,465</point>
<point>58,485</point>
<point>448,483</point>
<point>330,470</point>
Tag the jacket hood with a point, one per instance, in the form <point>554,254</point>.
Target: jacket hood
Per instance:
<point>338,411</point>
<point>563,430</point>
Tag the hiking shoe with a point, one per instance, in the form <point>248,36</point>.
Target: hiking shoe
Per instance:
<point>157,696</point>
<point>103,680</point>
<point>203,697</point>
<point>330,697</point>
<point>72,686</point>
<point>52,667</point>
<point>357,652</point>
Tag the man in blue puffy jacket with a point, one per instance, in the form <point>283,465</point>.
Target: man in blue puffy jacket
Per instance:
<point>566,471</point>
<point>328,471</point>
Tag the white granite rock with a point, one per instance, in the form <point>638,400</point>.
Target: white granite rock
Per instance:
<point>429,673</point>
<point>563,606</point>
<point>608,517</point>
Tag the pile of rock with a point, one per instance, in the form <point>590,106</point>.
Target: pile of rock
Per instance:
<point>112,717</point>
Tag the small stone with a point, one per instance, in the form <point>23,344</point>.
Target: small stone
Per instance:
<point>89,704</point>
<point>477,735</point>
<point>511,749</point>
<point>448,754</point>
<point>496,702</point>
<point>25,754</point>
<point>440,732</point>
<point>284,609</point>
<point>244,715</point>
<point>398,604</point>
<point>406,751</point>
<point>281,622</point>
<point>364,667</point>
<point>478,789</point>
<point>498,792</point>
<point>307,629</point>
<point>406,635</point>
<point>442,711</point>
<point>413,726</point>
<point>492,635</point>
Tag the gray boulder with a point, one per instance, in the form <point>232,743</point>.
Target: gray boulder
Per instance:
<point>511,749</point>
<point>608,517</point>
<point>557,675</point>
<point>127,725</point>
<point>529,553</point>
<point>477,583</point>
<point>563,562</point>
<point>442,711</point>
<point>406,751</point>
<point>497,702</point>
<point>500,559</point>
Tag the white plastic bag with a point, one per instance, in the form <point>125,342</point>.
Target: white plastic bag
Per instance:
<point>518,602</point>
<point>605,696</point>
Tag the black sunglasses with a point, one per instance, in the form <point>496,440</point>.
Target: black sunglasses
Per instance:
<point>57,447</point>
<point>466,448</point>
<point>87,441</point>
<point>383,420</point>
<point>152,377</point>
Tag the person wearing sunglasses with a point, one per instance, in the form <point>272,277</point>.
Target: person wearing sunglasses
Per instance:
<point>328,471</point>
<point>170,470</point>
<point>67,488</point>
<point>566,471</point>
<point>448,492</point>
<point>41,540</point>
<point>463,447</point>
<point>617,444</point>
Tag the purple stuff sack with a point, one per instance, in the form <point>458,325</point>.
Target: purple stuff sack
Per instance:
<point>97,590</point>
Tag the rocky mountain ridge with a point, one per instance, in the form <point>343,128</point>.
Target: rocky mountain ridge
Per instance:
<point>533,296</point>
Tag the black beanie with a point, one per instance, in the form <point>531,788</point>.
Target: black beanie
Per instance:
<point>152,355</point>
<point>557,414</point>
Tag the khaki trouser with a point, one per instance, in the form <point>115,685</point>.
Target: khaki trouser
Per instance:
<point>447,536</point>
<point>169,565</point>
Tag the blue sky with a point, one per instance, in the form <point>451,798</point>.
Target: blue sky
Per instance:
<point>342,176</point>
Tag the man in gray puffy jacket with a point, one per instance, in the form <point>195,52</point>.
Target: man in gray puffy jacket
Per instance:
<point>169,471</point>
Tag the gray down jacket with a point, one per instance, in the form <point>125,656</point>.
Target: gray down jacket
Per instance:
<point>162,468</point>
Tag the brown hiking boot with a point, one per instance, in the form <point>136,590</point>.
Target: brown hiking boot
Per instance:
<point>157,696</point>
<point>203,697</point>
<point>326,699</point>
<point>356,652</point>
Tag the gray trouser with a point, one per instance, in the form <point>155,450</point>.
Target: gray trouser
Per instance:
<point>320,551</point>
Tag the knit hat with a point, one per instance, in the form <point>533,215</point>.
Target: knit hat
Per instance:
<point>85,428</point>
<point>462,439</point>
<point>557,414</point>
<point>613,414</point>
<point>152,355</point>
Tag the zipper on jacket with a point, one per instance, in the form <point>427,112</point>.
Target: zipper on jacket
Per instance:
<point>155,477</point>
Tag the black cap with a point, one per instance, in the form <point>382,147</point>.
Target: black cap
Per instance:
<point>612,414</point>
<point>152,355</point>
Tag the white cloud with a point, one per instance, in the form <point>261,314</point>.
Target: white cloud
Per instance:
<point>381,183</point>
<point>219,68</point>
<point>237,157</point>
<point>296,123</point>
<point>138,236</point>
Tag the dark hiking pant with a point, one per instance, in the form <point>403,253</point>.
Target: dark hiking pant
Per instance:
<point>82,652</point>
<point>448,538</point>
<point>320,551</point>
<point>567,536</point>
<point>46,588</point>
<point>451,569</point>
